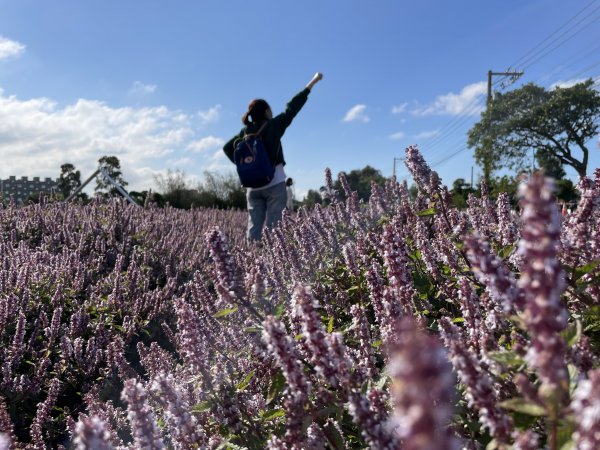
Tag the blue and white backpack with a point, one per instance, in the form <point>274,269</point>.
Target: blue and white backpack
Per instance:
<point>252,161</point>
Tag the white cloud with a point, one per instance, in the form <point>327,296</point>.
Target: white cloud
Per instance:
<point>140,88</point>
<point>567,83</point>
<point>356,114</point>
<point>397,136</point>
<point>10,48</point>
<point>469,101</point>
<point>427,134</point>
<point>218,162</point>
<point>37,136</point>
<point>210,115</point>
<point>206,143</point>
<point>398,109</point>
<point>180,162</point>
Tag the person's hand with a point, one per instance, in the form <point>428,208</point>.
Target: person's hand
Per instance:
<point>318,77</point>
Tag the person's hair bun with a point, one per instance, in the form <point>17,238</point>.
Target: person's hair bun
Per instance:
<point>257,109</point>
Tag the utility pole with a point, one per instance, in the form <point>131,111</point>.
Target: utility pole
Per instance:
<point>396,159</point>
<point>487,163</point>
<point>471,177</point>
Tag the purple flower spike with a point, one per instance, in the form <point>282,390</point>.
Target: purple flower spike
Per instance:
<point>6,426</point>
<point>586,406</point>
<point>479,390</point>
<point>542,281</point>
<point>225,267</point>
<point>182,424</point>
<point>527,440</point>
<point>491,271</point>
<point>312,330</point>
<point>422,390</point>
<point>417,166</point>
<point>143,425</point>
<point>298,388</point>
<point>43,414</point>
<point>92,433</point>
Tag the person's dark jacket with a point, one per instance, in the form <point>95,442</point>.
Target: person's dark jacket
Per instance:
<point>273,130</point>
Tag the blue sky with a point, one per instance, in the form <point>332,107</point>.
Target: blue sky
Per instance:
<point>164,84</point>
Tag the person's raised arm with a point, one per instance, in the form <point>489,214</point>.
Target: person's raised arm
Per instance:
<point>318,77</point>
<point>283,120</point>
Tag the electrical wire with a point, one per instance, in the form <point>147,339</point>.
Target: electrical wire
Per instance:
<point>549,44</point>
<point>571,61</point>
<point>533,55</point>
<point>523,60</point>
<point>530,63</point>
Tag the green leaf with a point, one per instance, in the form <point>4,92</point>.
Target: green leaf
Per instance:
<point>334,438</point>
<point>202,406</point>
<point>330,325</point>
<point>564,440</point>
<point>225,312</point>
<point>382,382</point>
<point>253,329</point>
<point>383,220</point>
<point>579,272</point>
<point>280,310</point>
<point>505,252</point>
<point>277,385</point>
<point>506,358</point>
<point>458,320</point>
<point>377,343</point>
<point>245,382</point>
<point>328,411</point>
<point>272,414</point>
<point>573,333</point>
<point>428,212</point>
<point>523,406</point>
<point>523,421</point>
<point>422,283</point>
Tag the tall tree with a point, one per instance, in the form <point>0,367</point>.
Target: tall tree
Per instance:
<point>312,198</point>
<point>460,192</point>
<point>551,165</point>
<point>112,167</point>
<point>69,179</point>
<point>360,181</point>
<point>556,124</point>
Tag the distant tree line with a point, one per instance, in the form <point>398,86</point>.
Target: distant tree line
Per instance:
<point>175,188</point>
<point>217,190</point>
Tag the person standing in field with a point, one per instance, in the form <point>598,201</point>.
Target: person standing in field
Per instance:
<point>257,152</point>
<point>289,185</point>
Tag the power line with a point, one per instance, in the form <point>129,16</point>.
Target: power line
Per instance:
<point>449,157</point>
<point>572,60</point>
<point>587,69</point>
<point>512,75</point>
<point>521,60</point>
<point>535,54</point>
<point>529,63</point>
<point>457,128</point>
<point>467,110</point>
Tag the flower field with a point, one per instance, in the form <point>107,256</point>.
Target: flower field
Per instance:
<point>398,324</point>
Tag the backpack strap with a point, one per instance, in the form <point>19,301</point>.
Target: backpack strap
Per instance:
<point>246,136</point>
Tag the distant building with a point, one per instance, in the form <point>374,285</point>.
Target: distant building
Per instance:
<point>20,189</point>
